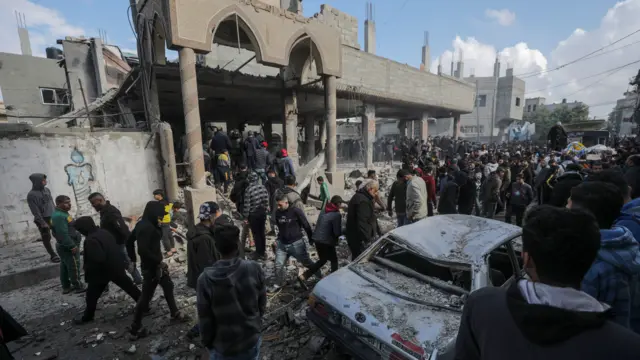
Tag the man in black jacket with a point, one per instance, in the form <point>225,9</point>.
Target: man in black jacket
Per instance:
<point>326,236</point>
<point>104,262</point>
<point>546,316</point>
<point>398,193</point>
<point>361,220</point>
<point>561,191</point>
<point>112,221</point>
<point>291,222</point>
<point>148,235</point>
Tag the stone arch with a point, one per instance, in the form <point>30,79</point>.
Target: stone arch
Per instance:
<point>300,45</point>
<point>232,13</point>
<point>158,39</point>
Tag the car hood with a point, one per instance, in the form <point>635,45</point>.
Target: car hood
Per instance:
<point>390,318</point>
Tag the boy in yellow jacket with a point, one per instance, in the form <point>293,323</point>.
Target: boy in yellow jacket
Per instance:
<point>167,239</point>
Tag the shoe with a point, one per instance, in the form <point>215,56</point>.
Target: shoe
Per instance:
<point>302,282</point>
<point>138,332</point>
<point>66,291</point>
<point>81,320</point>
<point>79,289</point>
<point>55,259</point>
<point>180,317</point>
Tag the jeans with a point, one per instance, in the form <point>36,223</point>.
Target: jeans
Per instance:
<point>95,290</point>
<point>167,237</point>
<point>135,274</point>
<point>251,354</point>
<point>298,250</point>
<point>489,210</point>
<point>326,253</point>
<point>257,223</point>
<point>518,211</point>
<point>149,285</point>
<point>402,220</point>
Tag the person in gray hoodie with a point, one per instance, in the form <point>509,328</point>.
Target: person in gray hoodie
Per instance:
<point>41,205</point>
<point>416,198</point>
<point>546,316</point>
<point>231,301</point>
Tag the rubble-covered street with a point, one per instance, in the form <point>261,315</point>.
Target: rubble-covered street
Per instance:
<point>47,314</point>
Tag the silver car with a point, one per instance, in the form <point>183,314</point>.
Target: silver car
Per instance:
<point>403,297</point>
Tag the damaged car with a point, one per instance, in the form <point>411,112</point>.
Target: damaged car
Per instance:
<point>403,297</point>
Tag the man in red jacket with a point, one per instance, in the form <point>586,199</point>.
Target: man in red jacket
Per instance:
<point>430,181</point>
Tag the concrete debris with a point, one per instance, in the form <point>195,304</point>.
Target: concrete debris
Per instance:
<point>131,350</point>
<point>355,174</point>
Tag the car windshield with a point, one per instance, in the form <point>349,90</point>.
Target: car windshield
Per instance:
<point>416,276</point>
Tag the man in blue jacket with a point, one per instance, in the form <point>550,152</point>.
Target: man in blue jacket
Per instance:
<point>614,277</point>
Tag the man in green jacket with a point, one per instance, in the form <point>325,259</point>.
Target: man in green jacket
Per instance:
<point>67,246</point>
<point>324,192</point>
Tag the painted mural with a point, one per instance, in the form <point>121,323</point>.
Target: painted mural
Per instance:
<point>79,177</point>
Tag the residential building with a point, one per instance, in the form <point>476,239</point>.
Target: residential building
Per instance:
<point>3,113</point>
<point>623,124</point>
<point>498,98</point>
<point>534,104</point>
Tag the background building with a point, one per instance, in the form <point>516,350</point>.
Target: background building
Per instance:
<point>622,115</point>
<point>498,98</point>
<point>534,104</point>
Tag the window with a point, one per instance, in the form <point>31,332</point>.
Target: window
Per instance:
<point>481,100</point>
<point>54,96</point>
<point>529,108</point>
<point>534,107</point>
<point>517,101</point>
<point>471,129</point>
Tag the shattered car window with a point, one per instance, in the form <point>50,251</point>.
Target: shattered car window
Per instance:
<point>447,274</point>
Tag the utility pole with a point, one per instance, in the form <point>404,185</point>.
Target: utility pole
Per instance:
<point>477,114</point>
<point>493,110</point>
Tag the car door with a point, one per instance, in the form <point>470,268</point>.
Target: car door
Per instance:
<point>504,264</point>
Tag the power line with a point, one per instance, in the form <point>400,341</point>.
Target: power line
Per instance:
<point>584,57</point>
<point>584,78</point>
<point>593,83</point>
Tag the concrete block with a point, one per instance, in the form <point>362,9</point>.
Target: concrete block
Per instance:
<point>28,277</point>
<point>337,181</point>
<point>193,198</point>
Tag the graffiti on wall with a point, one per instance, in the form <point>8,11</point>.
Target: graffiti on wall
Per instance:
<point>80,176</point>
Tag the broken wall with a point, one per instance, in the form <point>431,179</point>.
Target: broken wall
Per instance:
<point>345,23</point>
<point>123,165</point>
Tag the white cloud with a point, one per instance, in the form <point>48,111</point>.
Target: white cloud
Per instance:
<point>600,92</point>
<point>504,17</point>
<point>45,26</point>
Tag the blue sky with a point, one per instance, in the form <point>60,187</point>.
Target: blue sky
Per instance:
<point>528,36</point>
<point>400,23</point>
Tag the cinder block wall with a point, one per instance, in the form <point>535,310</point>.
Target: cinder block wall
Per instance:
<point>347,24</point>
<point>124,166</point>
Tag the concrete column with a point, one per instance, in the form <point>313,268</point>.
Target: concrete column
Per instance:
<point>268,130</point>
<point>456,126</point>
<point>402,127</point>
<point>410,126</point>
<point>291,124</point>
<point>424,126</point>
<point>368,133</point>
<point>370,31</point>
<point>168,160</point>
<point>189,84</point>
<point>331,109</point>
<point>309,137</point>
<point>322,133</point>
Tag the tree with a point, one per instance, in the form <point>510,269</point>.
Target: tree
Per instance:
<point>545,119</point>
<point>542,119</point>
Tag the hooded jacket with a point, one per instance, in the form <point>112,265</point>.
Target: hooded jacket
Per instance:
<point>256,197</point>
<point>220,141</point>
<point>614,277</point>
<point>232,298</point>
<point>293,197</point>
<point>201,252</point>
<point>40,200</point>
<point>417,198</point>
<point>630,217</point>
<point>273,184</point>
<point>536,321</point>
<point>102,255</point>
<point>148,235</point>
<point>329,226</point>
<point>112,221</point>
<point>562,189</point>
<point>291,222</point>
<point>490,190</point>
<point>361,220</point>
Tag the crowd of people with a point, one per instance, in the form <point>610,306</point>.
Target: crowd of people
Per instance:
<point>579,242</point>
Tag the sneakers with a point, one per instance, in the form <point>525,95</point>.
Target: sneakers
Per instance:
<point>138,332</point>
<point>80,289</point>
<point>55,259</point>
<point>66,291</point>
